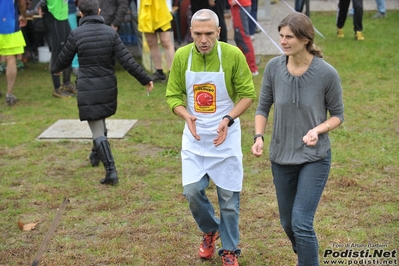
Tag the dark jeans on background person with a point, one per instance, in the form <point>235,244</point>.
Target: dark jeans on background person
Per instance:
<point>254,14</point>
<point>343,7</point>
<point>299,5</point>
<point>57,35</point>
<point>219,8</point>
<point>299,189</point>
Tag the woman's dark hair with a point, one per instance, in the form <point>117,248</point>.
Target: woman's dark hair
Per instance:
<point>88,7</point>
<point>302,28</point>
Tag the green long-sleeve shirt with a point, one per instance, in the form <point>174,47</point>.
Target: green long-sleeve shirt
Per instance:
<point>238,76</point>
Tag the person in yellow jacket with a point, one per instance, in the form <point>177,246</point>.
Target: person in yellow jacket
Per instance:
<point>155,20</point>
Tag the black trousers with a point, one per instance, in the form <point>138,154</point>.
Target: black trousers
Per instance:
<point>57,35</point>
<point>219,8</point>
<point>343,7</point>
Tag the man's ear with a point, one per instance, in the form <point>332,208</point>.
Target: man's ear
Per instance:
<point>99,11</point>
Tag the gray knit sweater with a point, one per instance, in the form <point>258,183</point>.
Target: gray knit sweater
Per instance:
<point>300,104</point>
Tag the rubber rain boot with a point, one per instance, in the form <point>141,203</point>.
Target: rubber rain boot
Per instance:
<point>94,160</point>
<point>103,151</point>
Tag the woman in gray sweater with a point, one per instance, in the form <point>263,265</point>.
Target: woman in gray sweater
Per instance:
<point>303,88</point>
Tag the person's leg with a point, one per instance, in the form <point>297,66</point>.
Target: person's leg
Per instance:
<point>254,14</point>
<point>168,47</point>
<point>358,19</point>
<point>11,76</point>
<point>200,206</point>
<point>242,38</point>
<point>285,179</point>
<point>98,129</point>
<point>229,203</point>
<point>381,6</point>
<point>343,6</point>
<point>3,64</point>
<point>11,72</point>
<point>56,44</point>
<point>53,41</point>
<point>219,9</point>
<point>156,56</point>
<point>311,182</point>
<point>103,150</point>
<point>152,41</point>
<point>299,5</point>
<point>11,45</point>
<point>63,30</point>
<point>358,15</point>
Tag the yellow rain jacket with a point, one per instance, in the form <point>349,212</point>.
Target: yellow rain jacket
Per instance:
<point>153,15</point>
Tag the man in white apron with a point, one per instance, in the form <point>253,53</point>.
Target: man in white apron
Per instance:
<point>211,75</point>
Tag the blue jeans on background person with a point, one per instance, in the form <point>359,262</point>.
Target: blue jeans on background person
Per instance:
<point>299,5</point>
<point>204,213</point>
<point>299,189</point>
<point>381,6</point>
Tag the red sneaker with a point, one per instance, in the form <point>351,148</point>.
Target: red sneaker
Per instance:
<point>207,247</point>
<point>229,258</point>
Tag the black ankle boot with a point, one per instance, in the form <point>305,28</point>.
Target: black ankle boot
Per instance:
<point>94,160</point>
<point>103,151</point>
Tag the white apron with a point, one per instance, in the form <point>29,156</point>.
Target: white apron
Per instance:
<point>209,101</point>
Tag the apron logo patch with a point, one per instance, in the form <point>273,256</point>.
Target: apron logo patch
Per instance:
<point>205,98</point>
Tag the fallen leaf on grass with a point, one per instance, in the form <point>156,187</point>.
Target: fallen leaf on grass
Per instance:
<point>26,227</point>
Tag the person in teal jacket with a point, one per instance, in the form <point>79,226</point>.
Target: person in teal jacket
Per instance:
<point>210,85</point>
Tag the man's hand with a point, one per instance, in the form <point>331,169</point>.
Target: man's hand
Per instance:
<point>192,126</point>
<point>182,112</point>
<point>222,132</point>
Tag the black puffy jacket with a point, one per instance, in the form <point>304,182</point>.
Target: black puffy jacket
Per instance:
<point>97,46</point>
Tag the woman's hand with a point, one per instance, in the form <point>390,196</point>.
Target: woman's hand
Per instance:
<point>311,137</point>
<point>257,148</point>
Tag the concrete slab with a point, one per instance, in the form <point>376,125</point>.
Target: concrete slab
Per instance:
<point>73,129</point>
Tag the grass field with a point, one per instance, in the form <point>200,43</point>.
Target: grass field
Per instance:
<point>145,220</point>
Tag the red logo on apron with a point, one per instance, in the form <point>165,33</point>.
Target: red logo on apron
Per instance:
<point>205,98</point>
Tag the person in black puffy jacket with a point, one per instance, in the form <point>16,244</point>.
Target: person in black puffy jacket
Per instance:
<point>97,46</point>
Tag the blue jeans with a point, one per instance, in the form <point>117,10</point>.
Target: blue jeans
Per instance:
<point>380,6</point>
<point>298,189</point>
<point>204,213</point>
